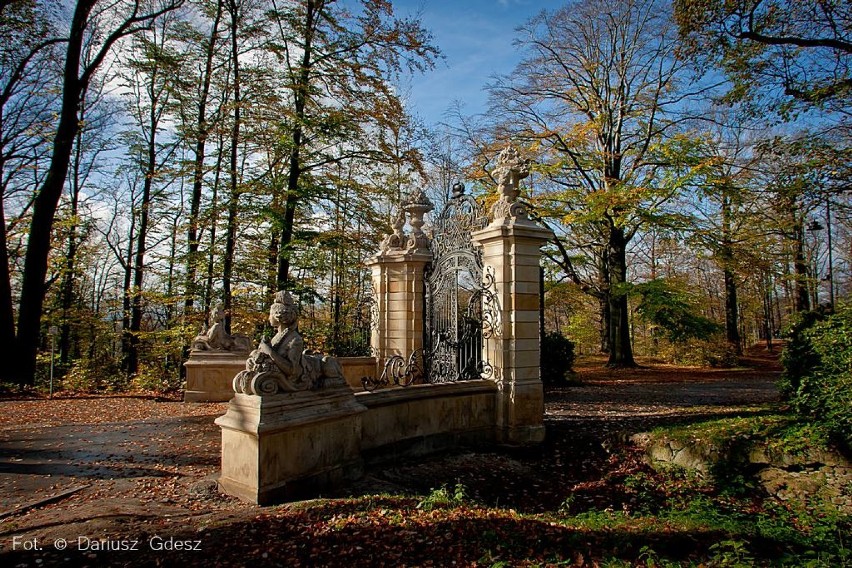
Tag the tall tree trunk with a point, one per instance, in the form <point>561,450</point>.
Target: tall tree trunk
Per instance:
<point>68,278</point>
<point>801,271</point>
<point>127,264</point>
<point>767,311</point>
<point>193,259</point>
<point>604,303</point>
<point>157,98</point>
<point>233,199</point>
<point>300,96</point>
<point>137,300</point>
<point>170,279</point>
<point>214,221</point>
<point>621,349</point>
<point>7,314</point>
<point>46,202</point>
<point>604,314</point>
<point>726,255</point>
<point>272,262</point>
<point>67,289</point>
<point>732,326</point>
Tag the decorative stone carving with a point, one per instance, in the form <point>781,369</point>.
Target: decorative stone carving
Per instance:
<point>397,239</point>
<point>217,339</point>
<point>417,205</point>
<point>283,364</point>
<point>510,170</point>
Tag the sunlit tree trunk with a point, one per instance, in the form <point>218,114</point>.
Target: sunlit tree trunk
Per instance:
<point>621,346</point>
<point>234,8</point>
<point>202,131</point>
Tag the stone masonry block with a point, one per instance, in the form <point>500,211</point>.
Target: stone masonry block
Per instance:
<point>529,302</point>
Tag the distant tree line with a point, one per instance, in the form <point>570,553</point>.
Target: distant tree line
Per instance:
<point>158,157</point>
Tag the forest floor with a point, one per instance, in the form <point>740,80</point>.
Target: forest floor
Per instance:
<point>82,476</point>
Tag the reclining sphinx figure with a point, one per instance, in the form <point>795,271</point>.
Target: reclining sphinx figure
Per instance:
<point>218,339</point>
<point>283,364</point>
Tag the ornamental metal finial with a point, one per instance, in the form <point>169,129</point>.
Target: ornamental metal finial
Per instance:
<point>458,189</point>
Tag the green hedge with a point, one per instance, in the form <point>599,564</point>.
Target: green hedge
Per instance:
<point>817,378</point>
<point>557,358</point>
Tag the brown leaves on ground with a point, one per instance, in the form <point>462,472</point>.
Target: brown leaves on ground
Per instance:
<point>150,464</point>
<point>756,363</point>
<point>77,408</point>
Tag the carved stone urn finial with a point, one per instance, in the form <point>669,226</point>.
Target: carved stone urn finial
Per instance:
<point>417,205</point>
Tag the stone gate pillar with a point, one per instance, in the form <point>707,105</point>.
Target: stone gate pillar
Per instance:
<point>510,255</point>
<point>398,277</point>
<point>398,280</point>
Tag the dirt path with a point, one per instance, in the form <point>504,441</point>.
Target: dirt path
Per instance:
<point>142,466</point>
<point>662,391</point>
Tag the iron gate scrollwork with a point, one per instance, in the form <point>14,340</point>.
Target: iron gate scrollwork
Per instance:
<point>459,304</point>
<point>455,295</point>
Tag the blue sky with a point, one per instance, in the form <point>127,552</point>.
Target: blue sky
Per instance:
<point>475,37</point>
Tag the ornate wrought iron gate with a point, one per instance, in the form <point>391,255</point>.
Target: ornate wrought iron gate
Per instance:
<point>455,295</point>
<point>459,307</point>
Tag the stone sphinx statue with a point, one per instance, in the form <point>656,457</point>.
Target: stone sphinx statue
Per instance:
<point>283,364</point>
<point>218,339</point>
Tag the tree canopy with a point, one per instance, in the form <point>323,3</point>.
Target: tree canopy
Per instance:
<point>785,55</point>
<point>159,157</point>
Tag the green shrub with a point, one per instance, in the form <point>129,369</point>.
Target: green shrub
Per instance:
<point>557,358</point>
<point>715,352</point>
<point>799,357</point>
<point>159,378</point>
<point>443,497</point>
<point>82,378</point>
<point>670,307</point>
<point>86,375</point>
<point>818,371</point>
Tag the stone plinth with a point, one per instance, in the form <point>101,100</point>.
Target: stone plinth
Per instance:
<point>288,445</point>
<point>209,375</point>
<point>510,254</point>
